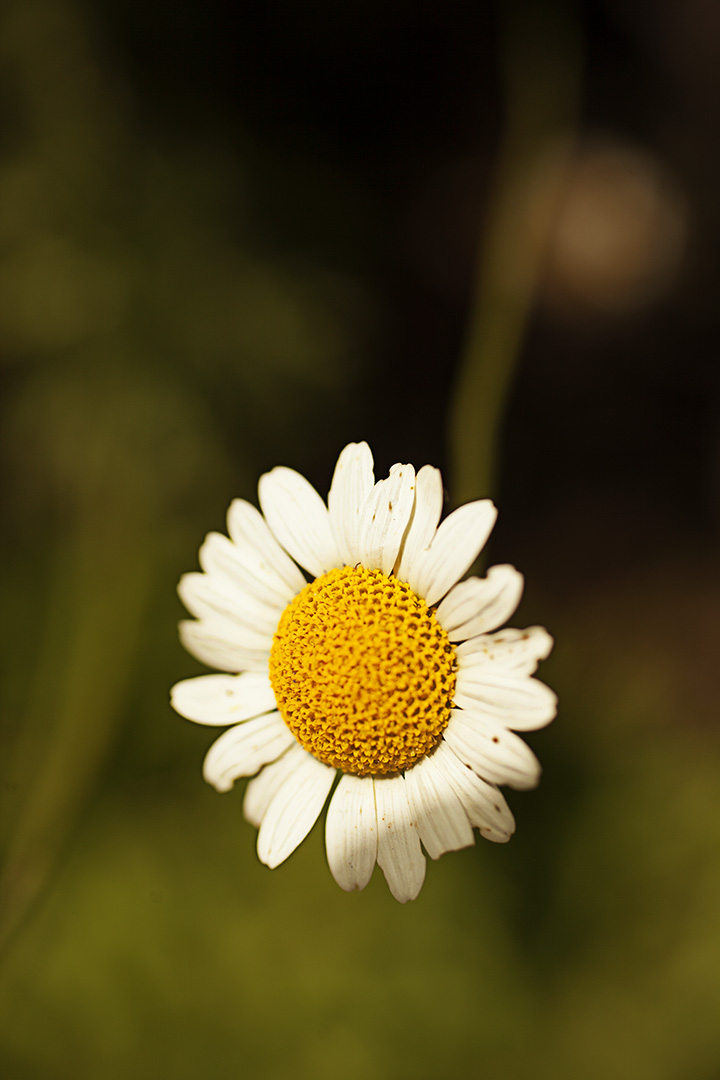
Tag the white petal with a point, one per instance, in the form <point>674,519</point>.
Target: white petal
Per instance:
<point>294,809</point>
<point>519,702</point>
<point>352,483</point>
<point>478,605</point>
<point>385,518</point>
<point>223,699</point>
<point>214,643</point>
<point>260,791</point>
<point>245,569</point>
<point>399,853</point>
<point>442,821</point>
<point>484,804</point>
<point>519,651</point>
<point>424,522</point>
<point>351,832</point>
<point>204,598</point>
<point>245,748</point>
<point>456,545</point>
<point>299,519</point>
<point>493,752</point>
<point>249,529</point>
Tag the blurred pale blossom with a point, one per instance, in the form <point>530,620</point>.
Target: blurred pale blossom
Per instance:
<point>618,234</point>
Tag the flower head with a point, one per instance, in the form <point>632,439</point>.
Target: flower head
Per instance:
<point>384,669</point>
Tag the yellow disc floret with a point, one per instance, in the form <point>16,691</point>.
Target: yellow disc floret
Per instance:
<point>363,673</point>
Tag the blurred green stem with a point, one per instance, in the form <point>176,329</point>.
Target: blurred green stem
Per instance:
<point>540,67</point>
<point>85,655</point>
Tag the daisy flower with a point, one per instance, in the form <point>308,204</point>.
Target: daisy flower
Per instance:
<point>383,671</point>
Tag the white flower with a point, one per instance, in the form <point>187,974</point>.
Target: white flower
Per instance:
<point>381,669</point>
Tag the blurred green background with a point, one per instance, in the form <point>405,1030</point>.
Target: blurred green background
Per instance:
<point>233,236</point>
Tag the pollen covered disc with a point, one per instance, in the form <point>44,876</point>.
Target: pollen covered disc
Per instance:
<point>363,673</point>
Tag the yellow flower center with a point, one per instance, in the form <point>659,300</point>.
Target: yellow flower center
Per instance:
<point>363,673</point>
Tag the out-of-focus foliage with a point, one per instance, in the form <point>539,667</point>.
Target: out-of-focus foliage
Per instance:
<point>160,348</point>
